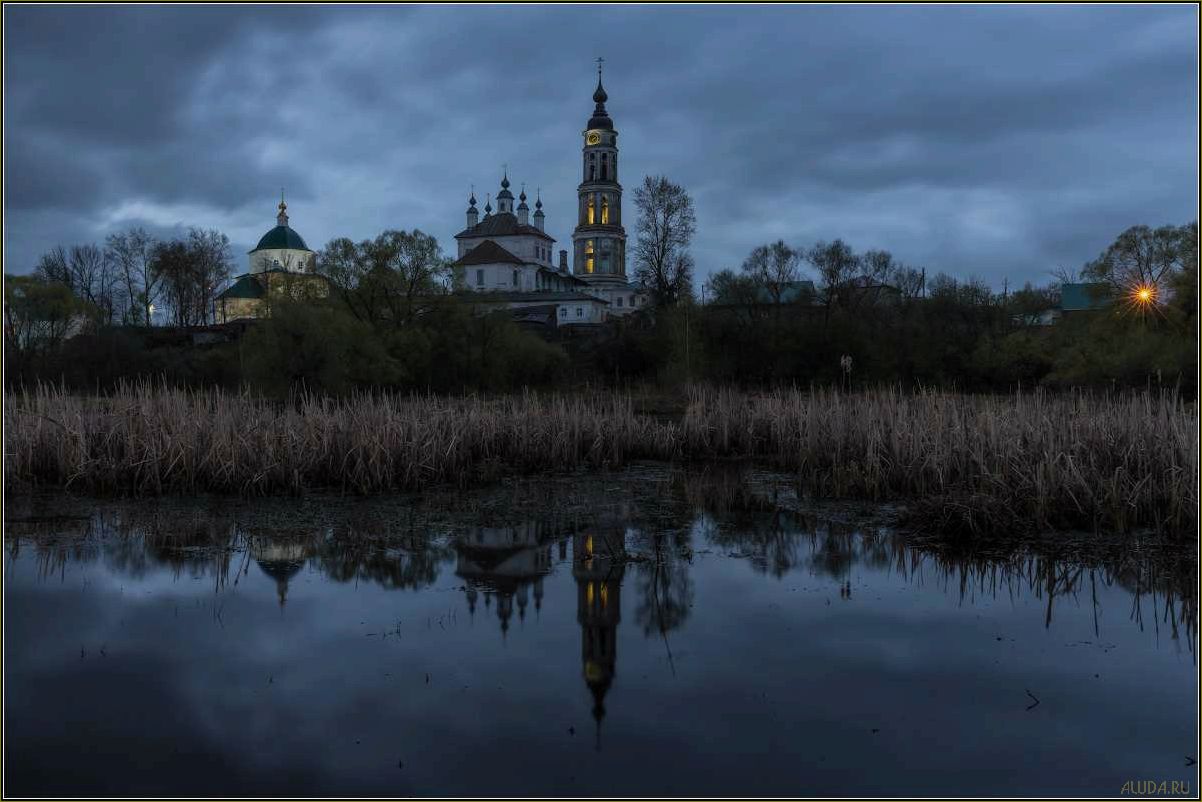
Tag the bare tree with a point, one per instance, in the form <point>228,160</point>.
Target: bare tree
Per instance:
<point>131,254</point>
<point>836,264</point>
<point>876,267</point>
<point>87,272</point>
<point>1143,257</point>
<point>666,226</point>
<point>210,250</point>
<point>773,267</point>
<point>908,281</point>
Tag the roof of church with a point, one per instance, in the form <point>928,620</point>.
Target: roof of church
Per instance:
<point>501,225</point>
<point>246,286</point>
<point>488,253</point>
<point>281,237</point>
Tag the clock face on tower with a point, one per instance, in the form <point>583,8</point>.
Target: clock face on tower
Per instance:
<point>593,138</point>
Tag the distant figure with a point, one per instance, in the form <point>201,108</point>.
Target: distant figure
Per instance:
<point>845,366</point>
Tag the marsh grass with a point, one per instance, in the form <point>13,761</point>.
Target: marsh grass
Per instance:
<point>978,463</point>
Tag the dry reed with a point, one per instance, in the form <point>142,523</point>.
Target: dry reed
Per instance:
<point>1113,461</point>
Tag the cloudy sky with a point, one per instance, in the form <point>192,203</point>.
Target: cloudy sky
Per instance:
<point>999,141</point>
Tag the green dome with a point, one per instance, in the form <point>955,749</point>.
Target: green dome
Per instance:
<point>281,237</point>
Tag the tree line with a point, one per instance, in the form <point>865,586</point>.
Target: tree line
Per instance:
<point>789,313</point>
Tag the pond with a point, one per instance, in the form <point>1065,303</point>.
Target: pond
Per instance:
<point>650,632</point>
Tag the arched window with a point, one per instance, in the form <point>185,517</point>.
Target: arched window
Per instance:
<point>604,166</point>
<point>592,212</point>
<point>604,210</point>
<point>588,252</point>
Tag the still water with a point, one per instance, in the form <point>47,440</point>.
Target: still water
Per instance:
<point>649,632</point>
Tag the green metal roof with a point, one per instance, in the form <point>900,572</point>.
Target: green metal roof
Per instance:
<point>281,237</point>
<point>791,292</point>
<point>246,286</point>
<point>1080,297</point>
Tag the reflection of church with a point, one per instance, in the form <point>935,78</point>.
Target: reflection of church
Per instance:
<point>281,560</point>
<point>507,562</point>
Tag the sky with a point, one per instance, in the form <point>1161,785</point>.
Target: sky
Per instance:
<point>1001,142</point>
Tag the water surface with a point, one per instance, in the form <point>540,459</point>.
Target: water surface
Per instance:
<point>644,633</point>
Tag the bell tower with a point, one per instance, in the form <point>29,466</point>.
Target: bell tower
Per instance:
<point>599,240</point>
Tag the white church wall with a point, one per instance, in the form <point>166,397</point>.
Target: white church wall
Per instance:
<point>296,261</point>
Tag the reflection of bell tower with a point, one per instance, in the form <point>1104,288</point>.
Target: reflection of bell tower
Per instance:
<point>598,563</point>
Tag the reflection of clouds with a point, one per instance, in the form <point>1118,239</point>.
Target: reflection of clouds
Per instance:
<point>920,626</point>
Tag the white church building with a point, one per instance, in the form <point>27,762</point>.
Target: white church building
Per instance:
<point>508,259</point>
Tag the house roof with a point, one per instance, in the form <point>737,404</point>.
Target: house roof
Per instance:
<point>246,286</point>
<point>281,237</point>
<point>791,292</point>
<point>1081,297</point>
<point>502,225</point>
<point>488,253</point>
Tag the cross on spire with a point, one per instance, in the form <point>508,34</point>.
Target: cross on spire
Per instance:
<point>600,63</point>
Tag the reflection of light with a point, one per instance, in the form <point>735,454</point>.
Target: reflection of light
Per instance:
<point>604,595</point>
<point>588,545</point>
<point>589,594</point>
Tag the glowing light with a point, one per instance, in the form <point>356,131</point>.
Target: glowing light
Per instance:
<point>1142,296</point>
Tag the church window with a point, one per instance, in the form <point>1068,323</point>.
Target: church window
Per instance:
<point>619,300</point>
<point>604,166</point>
<point>479,278</point>
<point>515,278</point>
<point>588,256</point>
<point>563,312</point>
<point>579,312</point>
<point>592,212</point>
<point>604,210</point>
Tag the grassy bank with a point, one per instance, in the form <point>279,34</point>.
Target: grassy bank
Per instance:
<point>1116,462</point>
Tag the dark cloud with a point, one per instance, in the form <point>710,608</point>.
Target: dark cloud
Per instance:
<point>995,140</point>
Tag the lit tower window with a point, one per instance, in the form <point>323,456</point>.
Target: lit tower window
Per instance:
<point>588,247</point>
<point>592,212</point>
<point>604,211</point>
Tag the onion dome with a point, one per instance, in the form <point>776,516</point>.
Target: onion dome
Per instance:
<point>471,203</point>
<point>522,198</point>
<point>487,206</point>
<point>505,193</point>
<point>600,118</point>
<point>281,237</point>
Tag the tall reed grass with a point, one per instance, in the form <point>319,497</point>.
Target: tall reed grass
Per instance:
<point>1107,461</point>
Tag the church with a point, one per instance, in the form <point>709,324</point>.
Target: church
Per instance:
<point>507,259</point>
<point>281,265</point>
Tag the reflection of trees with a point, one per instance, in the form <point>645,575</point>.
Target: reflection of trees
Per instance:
<point>664,585</point>
<point>1163,587</point>
<point>411,563</point>
<point>748,513</point>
